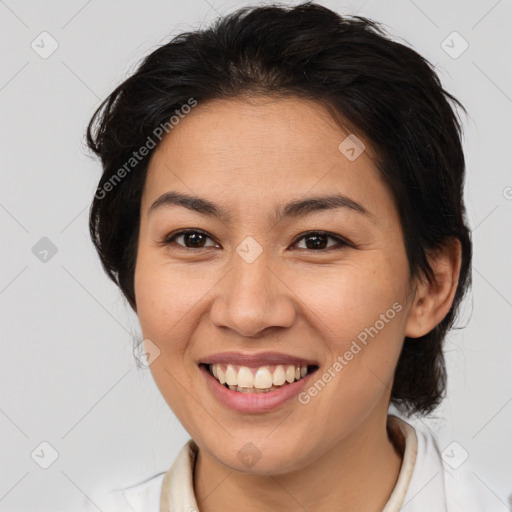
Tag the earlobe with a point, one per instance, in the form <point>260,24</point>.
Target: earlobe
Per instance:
<point>433,300</point>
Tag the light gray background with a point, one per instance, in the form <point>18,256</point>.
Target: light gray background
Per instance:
<point>68,376</point>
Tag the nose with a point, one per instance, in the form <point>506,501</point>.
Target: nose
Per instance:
<point>252,299</point>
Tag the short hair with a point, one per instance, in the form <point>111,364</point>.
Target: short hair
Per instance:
<point>382,88</point>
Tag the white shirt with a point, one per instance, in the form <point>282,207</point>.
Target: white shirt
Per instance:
<point>425,483</point>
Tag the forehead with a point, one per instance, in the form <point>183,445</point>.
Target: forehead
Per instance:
<point>244,151</point>
<point>261,126</point>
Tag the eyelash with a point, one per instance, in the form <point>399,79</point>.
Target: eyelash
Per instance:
<point>342,243</point>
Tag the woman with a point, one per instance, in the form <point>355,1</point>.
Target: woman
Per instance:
<point>282,206</point>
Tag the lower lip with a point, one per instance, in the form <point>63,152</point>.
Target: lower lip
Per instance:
<point>254,402</point>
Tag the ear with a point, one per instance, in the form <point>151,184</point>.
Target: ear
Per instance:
<point>433,300</point>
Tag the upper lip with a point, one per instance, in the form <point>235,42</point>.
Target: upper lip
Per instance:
<point>256,359</point>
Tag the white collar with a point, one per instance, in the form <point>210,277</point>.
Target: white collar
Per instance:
<point>178,485</point>
<point>424,484</point>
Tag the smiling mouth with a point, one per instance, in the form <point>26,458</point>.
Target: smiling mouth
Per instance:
<point>262,379</point>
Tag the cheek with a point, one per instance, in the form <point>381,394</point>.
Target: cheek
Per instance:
<point>168,296</point>
<point>157,300</point>
<point>353,296</point>
<point>360,314</point>
<point>164,305</point>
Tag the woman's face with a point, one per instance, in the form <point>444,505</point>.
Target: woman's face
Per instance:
<point>251,282</point>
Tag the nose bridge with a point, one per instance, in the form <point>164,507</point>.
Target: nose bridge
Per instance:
<point>253,298</point>
<point>252,275</point>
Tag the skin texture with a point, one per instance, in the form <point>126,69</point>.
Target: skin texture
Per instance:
<point>249,155</point>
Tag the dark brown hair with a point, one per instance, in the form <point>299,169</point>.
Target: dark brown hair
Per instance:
<point>382,88</point>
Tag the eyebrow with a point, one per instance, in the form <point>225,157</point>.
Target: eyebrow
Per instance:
<point>296,208</point>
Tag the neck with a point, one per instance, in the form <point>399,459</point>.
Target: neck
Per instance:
<point>359,473</point>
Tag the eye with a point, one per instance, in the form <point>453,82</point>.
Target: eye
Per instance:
<point>315,240</point>
<point>318,240</point>
<point>194,237</point>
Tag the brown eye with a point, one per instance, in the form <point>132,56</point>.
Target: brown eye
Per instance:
<point>318,240</point>
<point>192,239</point>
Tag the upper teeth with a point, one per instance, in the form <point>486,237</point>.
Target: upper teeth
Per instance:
<point>259,378</point>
